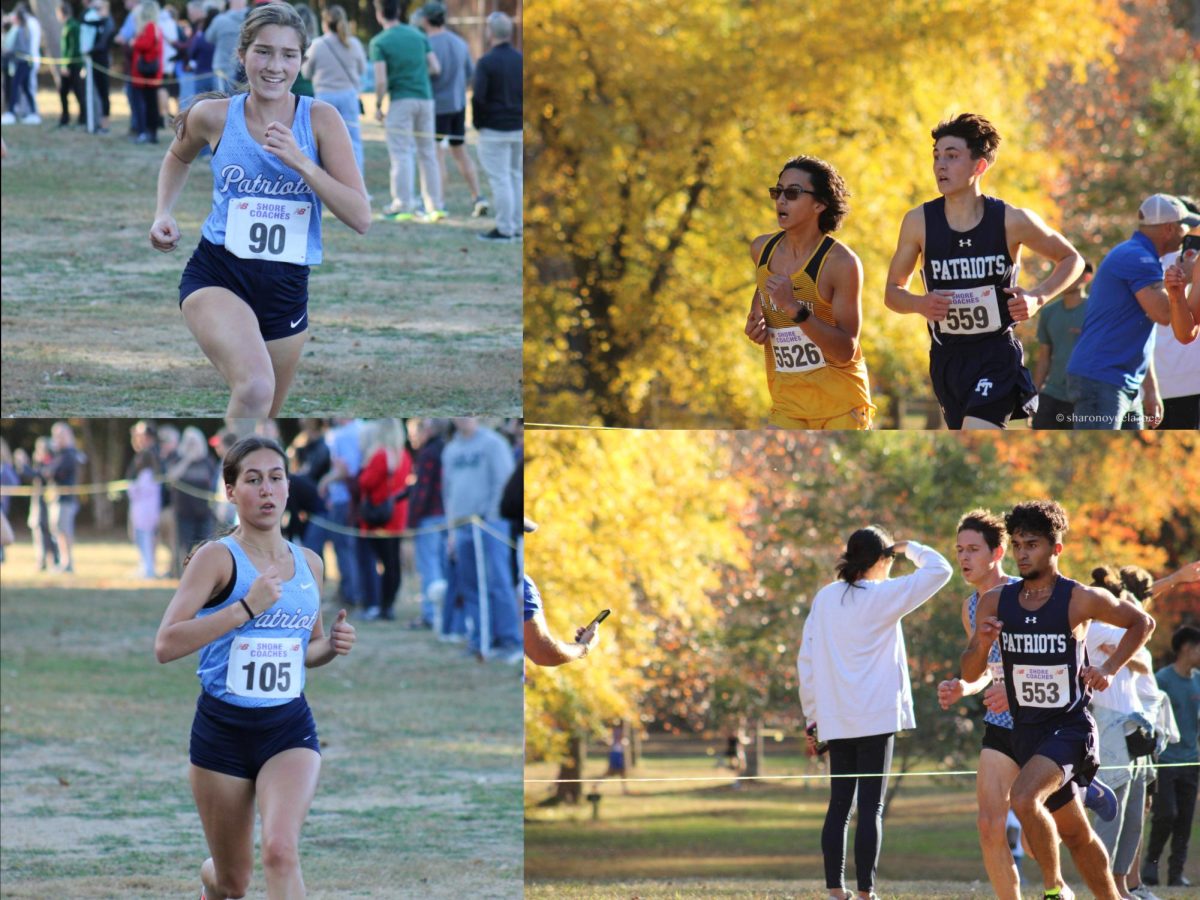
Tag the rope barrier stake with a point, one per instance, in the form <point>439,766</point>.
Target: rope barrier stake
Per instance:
<point>484,624</point>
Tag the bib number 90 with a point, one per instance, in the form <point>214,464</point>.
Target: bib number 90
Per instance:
<point>270,238</point>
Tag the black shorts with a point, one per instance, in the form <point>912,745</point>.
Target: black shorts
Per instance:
<point>238,740</point>
<point>452,125</point>
<point>277,292</point>
<point>985,379</point>
<point>999,739</point>
<point>1072,743</point>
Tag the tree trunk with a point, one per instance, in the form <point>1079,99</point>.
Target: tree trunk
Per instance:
<point>635,743</point>
<point>569,791</point>
<point>755,752</point>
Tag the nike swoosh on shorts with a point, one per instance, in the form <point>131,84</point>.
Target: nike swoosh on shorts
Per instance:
<point>297,322</point>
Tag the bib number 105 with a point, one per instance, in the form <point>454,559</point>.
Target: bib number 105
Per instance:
<point>271,677</point>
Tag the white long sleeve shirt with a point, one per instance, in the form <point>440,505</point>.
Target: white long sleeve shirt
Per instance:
<point>853,665</point>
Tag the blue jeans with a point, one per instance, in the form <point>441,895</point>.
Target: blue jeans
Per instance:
<point>145,540</point>
<point>193,83</point>
<point>430,551</point>
<point>1100,406</point>
<point>346,103</point>
<point>368,572</point>
<point>343,548</point>
<point>501,596</point>
<point>454,620</point>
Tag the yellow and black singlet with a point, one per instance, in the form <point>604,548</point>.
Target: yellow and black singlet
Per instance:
<point>803,384</point>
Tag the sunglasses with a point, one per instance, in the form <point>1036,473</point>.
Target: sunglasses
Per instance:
<point>791,192</point>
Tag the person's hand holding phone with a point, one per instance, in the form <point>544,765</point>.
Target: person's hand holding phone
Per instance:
<point>588,635</point>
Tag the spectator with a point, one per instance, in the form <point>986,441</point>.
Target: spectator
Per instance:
<point>541,647</point>
<point>223,35</point>
<point>124,38</point>
<point>1058,328</point>
<point>336,63</point>
<point>1176,365</point>
<point>168,533</point>
<point>191,477</point>
<point>20,48</point>
<point>384,479</point>
<point>496,112</point>
<point>197,75</point>
<point>303,86</point>
<point>71,73</point>
<point>427,518</point>
<point>45,550</point>
<point>335,488</point>
<point>450,102</point>
<point>95,41</point>
<point>404,63</point>
<point>145,502</point>
<point>1175,799</point>
<point>8,478</point>
<point>1110,367</point>
<point>172,37</point>
<point>476,465</point>
<point>146,70</point>
<point>63,472</point>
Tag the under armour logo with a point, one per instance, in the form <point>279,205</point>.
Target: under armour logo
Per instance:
<point>964,242</point>
<point>1029,619</point>
<point>983,386</point>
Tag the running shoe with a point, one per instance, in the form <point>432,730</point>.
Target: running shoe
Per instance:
<point>1144,893</point>
<point>32,119</point>
<point>8,119</point>
<point>480,209</point>
<point>1062,893</point>
<point>399,216</point>
<point>1100,799</point>
<point>495,236</point>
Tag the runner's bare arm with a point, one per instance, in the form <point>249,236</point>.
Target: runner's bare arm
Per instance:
<point>987,629</point>
<point>203,120</point>
<point>973,687</point>
<point>1025,227</point>
<point>909,248</point>
<point>839,342</point>
<point>323,649</point>
<point>210,569</point>
<point>336,180</point>
<point>756,325</point>
<point>1184,300</point>
<point>1094,603</point>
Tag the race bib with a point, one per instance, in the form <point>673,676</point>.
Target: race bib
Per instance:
<point>794,352</point>
<point>265,668</point>
<point>267,228</point>
<point>997,671</point>
<point>1045,687</point>
<point>972,311</point>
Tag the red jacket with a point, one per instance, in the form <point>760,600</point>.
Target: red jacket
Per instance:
<point>147,45</point>
<point>375,484</point>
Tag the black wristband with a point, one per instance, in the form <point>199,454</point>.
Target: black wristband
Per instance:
<point>246,607</point>
<point>802,314</point>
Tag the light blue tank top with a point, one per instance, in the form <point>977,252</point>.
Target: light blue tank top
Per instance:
<point>1004,719</point>
<point>242,168</point>
<point>292,618</point>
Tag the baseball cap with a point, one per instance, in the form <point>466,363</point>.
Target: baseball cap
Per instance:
<point>1158,209</point>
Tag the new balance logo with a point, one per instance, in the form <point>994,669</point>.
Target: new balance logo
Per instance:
<point>983,386</point>
<point>964,242</point>
<point>1032,619</point>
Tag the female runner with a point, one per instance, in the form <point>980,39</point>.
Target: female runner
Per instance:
<point>277,159</point>
<point>251,604</point>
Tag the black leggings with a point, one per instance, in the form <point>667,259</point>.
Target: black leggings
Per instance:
<point>850,756</point>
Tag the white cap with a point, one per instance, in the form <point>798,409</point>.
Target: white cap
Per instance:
<point>1159,209</point>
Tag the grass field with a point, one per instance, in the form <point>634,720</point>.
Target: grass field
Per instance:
<point>406,319</point>
<point>420,786</point>
<point>762,840</point>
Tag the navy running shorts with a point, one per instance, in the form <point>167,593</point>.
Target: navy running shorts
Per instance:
<point>452,125</point>
<point>985,379</point>
<point>1072,743</point>
<point>238,740</point>
<point>277,292</point>
<point>998,738</point>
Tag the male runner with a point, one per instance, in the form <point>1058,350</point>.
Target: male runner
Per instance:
<point>807,310</point>
<point>982,540</point>
<point>1041,622</point>
<point>971,246</point>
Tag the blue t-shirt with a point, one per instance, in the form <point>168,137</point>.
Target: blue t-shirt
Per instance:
<point>291,618</point>
<point>533,599</point>
<point>1118,337</point>
<point>1185,703</point>
<point>243,169</point>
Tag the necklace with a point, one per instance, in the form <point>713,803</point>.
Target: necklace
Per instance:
<point>267,553</point>
<point>1028,593</point>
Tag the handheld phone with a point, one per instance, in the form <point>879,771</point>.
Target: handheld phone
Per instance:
<point>822,746</point>
<point>1191,242</point>
<point>600,617</point>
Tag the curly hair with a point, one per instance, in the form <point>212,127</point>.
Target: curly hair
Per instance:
<point>1043,518</point>
<point>828,188</point>
<point>987,523</point>
<point>981,135</point>
<point>1137,581</point>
